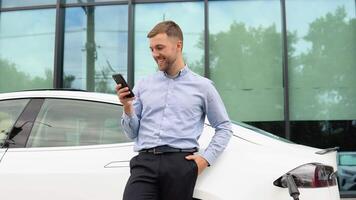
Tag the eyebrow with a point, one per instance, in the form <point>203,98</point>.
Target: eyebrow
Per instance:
<point>162,45</point>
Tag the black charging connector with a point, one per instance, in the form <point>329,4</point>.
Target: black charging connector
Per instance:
<point>288,181</point>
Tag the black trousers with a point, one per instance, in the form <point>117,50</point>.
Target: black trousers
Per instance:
<point>167,176</point>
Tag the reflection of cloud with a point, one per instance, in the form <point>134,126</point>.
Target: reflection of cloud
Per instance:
<point>327,100</point>
<point>302,46</point>
<point>299,69</point>
<point>329,97</point>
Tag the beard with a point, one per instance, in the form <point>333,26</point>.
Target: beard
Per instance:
<point>164,63</point>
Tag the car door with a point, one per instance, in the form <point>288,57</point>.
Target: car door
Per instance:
<point>75,150</point>
<point>9,113</point>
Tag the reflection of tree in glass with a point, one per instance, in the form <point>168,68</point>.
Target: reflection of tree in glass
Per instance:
<point>198,65</point>
<point>11,79</point>
<point>328,69</point>
<point>103,77</point>
<point>68,81</point>
<point>246,66</point>
<point>242,57</point>
<point>333,50</point>
<point>195,66</point>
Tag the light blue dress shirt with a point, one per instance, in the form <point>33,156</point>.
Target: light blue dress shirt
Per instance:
<point>171,111</point>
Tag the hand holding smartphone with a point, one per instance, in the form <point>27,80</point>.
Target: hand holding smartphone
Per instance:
<point>119,79</point>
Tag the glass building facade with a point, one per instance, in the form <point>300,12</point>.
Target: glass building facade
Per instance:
<point>285,66</point>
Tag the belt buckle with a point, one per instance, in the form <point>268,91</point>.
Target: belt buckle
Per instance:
<point>155,152</point>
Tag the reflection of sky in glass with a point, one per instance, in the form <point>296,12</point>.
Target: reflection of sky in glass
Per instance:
<point>252,13</point>
<point>90,1</point>
<point>27,40</point>
<point>110,39</point>
<point>304,12</point>
<point>19,3</point>
<point>189,16</point>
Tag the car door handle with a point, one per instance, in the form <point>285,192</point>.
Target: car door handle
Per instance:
<point>117,164</point>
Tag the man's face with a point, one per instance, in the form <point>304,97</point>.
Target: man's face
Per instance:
<point>165,50</point>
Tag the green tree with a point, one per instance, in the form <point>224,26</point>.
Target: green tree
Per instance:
<point>11,79</point>
<point>68,80</point>
<point>323,83</point>
<point>333,51</point>
<point>246,67</point>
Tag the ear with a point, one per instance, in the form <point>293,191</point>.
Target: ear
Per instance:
<point>180,45</point>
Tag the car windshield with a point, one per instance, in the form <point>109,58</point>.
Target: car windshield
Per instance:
<point>347,160</point>
<point>261,131</point>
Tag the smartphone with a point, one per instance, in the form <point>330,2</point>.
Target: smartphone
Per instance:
<point>119,79</point>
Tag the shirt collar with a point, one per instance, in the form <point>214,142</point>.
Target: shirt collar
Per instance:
<point>182,72</point>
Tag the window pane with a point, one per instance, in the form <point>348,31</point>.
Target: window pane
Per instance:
<point>322,71</point>
<point>9,112</point>
<point>347,159</point>
<point>90,1</point>
<point>346,174</point>
<point>323,59</point>
<point>189,16</point>
<point>22,3</point>
<point>95,47</point>
<point>26,49</point>
<point>76,123</point>
<point>246,60</point>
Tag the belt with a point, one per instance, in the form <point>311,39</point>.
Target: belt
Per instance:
<point>167,149</point>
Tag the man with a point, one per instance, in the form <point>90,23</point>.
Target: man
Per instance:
<point>165,120</point>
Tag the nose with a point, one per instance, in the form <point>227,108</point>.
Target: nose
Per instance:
<point>155,53</point>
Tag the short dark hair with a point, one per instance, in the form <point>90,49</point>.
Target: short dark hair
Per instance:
<point>168,27</point>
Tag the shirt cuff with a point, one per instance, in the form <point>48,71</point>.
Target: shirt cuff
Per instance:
<point>127,117</point>
<point>208,156</point>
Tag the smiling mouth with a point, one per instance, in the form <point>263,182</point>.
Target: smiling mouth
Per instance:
<point>161,61</point>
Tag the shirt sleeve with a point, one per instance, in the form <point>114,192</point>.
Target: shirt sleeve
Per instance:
<point>219,120</point>
<point>131,124</point>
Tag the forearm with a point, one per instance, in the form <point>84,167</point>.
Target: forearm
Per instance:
<point>130,120</point>
<point>130,124</point>
<point>218,143</point>
<point>129,110</point>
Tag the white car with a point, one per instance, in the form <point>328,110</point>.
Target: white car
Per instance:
<point>69,145</point>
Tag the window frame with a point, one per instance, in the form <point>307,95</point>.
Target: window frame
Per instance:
<point>5,145</point>
<point>28,114</point>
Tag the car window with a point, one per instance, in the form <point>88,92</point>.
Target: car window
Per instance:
<point>9,112</point>
<point>260,131</point>
<point>347,160</point>
<point>64,122</point>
